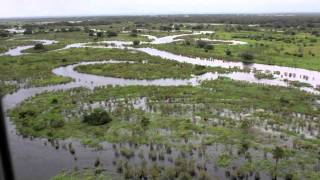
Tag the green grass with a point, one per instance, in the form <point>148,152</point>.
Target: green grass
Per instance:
<point>87,174</point>
<point>275,52</point>
<point>7,88</point>
<point>152,70</point>
<point>6,44</point>
<point>36,69</point>
<point>260,75</point>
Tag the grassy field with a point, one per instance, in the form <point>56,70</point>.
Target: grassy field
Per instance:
<point>35,69</point>
<point>301,50</point>
<point>149,70</point>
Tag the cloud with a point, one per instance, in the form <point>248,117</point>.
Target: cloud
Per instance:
<point>22,8</point>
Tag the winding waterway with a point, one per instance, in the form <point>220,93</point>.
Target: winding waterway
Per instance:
<point>35,160</point>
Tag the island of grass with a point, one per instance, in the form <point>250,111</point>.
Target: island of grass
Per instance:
<point>261,75</point>
<point>149,70</point>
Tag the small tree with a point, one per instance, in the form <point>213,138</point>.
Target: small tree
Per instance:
<point>97,117</point>
<point>201,44</point>
<point>277,153</point>
<point>100,34</point>
<point>144,122</point>
<point>4,33</point>
<point>134,33</point>
<point>228,52</point>
<point>111,34</point>
<point>91,32</point>
<point>28,31</point>
<point>38,46</point>
<point>136,42</point>
<point>247,57</point>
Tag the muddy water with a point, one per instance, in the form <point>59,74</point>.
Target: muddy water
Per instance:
<point>35,160</point>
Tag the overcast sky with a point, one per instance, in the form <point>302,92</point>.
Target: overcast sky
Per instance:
<point>30,8</point>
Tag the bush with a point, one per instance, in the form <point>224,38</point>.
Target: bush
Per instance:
<point>247,57</point>
<point>4,33</point>
<point>134,33</point>
<point>205,45</point>
<point>228,52</point>
<point>27,113</point>
<point>28,31</point>
<point>97,117</point>
<point>136,42</point>
<point>38,46</point>
<point>111,34</point>
<point>100,34</point>
<point>144,122</point>
<point>201,44</point>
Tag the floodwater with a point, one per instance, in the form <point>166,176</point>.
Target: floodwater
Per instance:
<point>33,159</point>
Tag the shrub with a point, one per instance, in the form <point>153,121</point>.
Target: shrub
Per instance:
<point>128,153</point>
<point>38,46</point>
<point>247,57</point>
<point>201,44</point>
<point>28,31</point>
<point>27,113</point>
<point>228,52</point>
<point>136,42</point>
<point>100,34</point>
<point>144,122</point>
<point>4,33</point>
<point>209,47</point>
<point>111,34</point>
<point>97,117</point>
<point>134,33</point>
<point>205,45</point>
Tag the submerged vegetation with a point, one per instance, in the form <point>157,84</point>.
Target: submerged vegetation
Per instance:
<point>167,115</point>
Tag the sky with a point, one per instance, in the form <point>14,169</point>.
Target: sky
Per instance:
<point>45,8</point>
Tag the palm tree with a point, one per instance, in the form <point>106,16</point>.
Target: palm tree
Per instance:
<point>277,153</point>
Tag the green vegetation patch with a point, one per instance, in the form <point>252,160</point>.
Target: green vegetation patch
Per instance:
<point>152,70</point>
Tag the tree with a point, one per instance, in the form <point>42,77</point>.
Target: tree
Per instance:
<point>4,33</point>
<point>28,31</point>
<point>247,57</point>
<point>228,52</point>
<point>134,33</point>
<point>209,47</point>
<point>97,117</point>
<point>111,34</point>
<point>136,42</point>
<point>277,153</point>
<point>144,122</point>
<point>91,32</point>
<point>100,34</point>
<point>176,27</point>
<point>201,44</point>
<point>38,46</point>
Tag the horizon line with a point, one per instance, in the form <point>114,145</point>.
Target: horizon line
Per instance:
<point>156,14</point>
